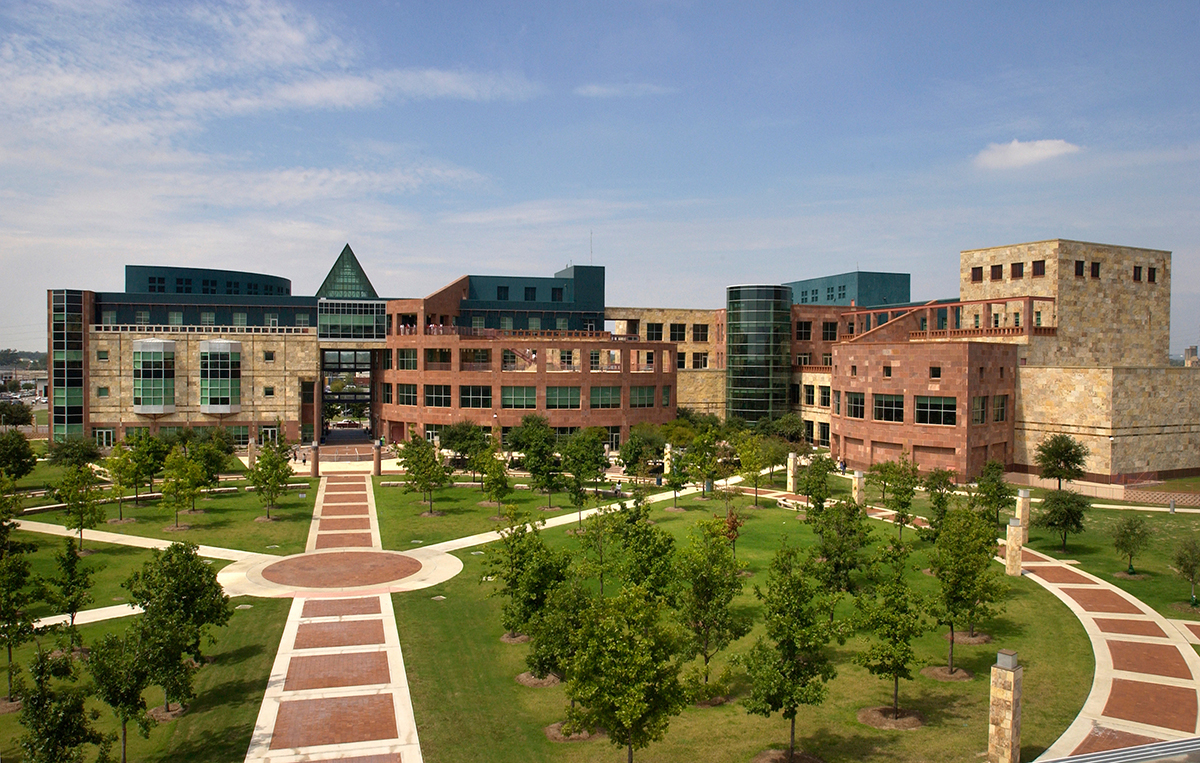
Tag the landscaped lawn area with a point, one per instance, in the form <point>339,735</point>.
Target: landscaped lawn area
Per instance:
<point>467,702</point>
<point>228,520</point>
<point>220,720</point>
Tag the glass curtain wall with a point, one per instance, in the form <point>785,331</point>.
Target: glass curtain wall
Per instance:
<point>757,352</point>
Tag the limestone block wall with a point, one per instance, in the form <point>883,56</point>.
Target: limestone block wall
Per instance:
<point>710,342</point>
<point>702,391</point>
<point>1074,401</point>
<point>1156,421</point>
<point>296,359</point>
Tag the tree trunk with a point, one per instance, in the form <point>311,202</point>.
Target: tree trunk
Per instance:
<point>630,747</point>
<point>952,648</point>
<point>792,743</point>
<point>10,671</point>
<point>895,697</point>
<point>81,532</point>
<point>123,739</point>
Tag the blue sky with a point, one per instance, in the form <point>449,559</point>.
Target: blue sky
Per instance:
<point>685,146</point>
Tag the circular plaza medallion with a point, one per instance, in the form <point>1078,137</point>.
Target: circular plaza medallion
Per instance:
<point>341,569</point>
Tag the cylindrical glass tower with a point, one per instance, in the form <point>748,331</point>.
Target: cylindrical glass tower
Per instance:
<point>757,351</point>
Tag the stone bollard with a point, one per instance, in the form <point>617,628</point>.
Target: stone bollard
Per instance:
<point>1012,548</point>
<point>1004,718</point>
<point>1023,514</point>
<point>793,467</point>
<point>859,487</point>
<point>315,470</point>
<point>377,469</point>
<point>668,458</point>
<point>1172,505</point>
<point>251,453</point>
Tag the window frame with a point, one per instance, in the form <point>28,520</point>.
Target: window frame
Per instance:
<point>856,405</point>
<point>934,410</point>
<point>475,396</point>
<point>803,331</point>
<point>438,395</point>
<point>887,408</point>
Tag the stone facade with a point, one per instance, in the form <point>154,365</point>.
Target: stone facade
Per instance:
<point>701,378</point>
<point>1004,716</point>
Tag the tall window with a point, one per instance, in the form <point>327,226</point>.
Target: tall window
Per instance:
<point>856,405</point>
<point>681,360</point>
<point>678,332</point>
<point>1017,270</point>
<point>977,275</point>
<point>385,393</point>
<point>518,397</point>
<point>531,294</point>
<point>803,331</point>
<point>837,402</point>
<point>605,397</point>
<point>979,410</point>
<point>699,332</point>
<point>556,294</point>
<point>562,398</point>
<point>829,331</point>
<point>437,396</point>
<point>937,410</point>
<point>220,377</point>
<point>809,394</point>
<point>666,396</point>
<point>997,272</point>
<point>154,379</point>
<point>1095,270</point>
<point>999,408</point>
<point>472,396</point>
<point>824,397</point>
<point>406,359</point>
<point>501,293</point>
<point>641,397</point>
<point>889,408</point>
<point>1039,268</point>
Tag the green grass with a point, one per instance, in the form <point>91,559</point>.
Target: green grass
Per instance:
<point>1185,485</point>
<point>1161,589</point>
<point>219,722</point>
<point>458,669</point>
<point>228,521</point>
<point>41,417</point>
<point>44,475</point>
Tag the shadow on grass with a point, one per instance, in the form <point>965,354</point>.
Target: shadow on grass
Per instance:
<point>216,746</point>
<point>236,691</point>
<point>828,742</point>
<point>241,654</point>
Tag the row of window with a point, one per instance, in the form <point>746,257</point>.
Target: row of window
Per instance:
<point>829,331</point>
<point>207,318</point>
<point>519,359</point>
<point>699,360</point>
<point>812,296</point>
<point>531,294</point>
<point>805,359</point>
<point>268,356</point>
<point>1016,271</point>
<point>677,332</point>
<point>520,397</point>
<point>941,411</point>
<point>158,285</point>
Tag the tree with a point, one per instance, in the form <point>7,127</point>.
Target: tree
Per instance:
<point>10,509</point>
<point>1187,563</point>
<point>704,458</point>
<point>598,543</point>
<point>648,552</point>
<point>16,414</point>
<point>842,534</point>
<point>992,493</point>
<point>624,677</point>
<point>881,475</point>
<point>814,485</point>
<point>182,479</point>
<point>790,666</point>
<point>120,674</point>
<point>211,457</point>
<point>535,439</point>
<point>1061,457</point>
<point>17,458</point>
<point>904,481</point>
<point>554,629</point>
<point>525,568</point>
<point>1062,513</point>
<point>423,466</point>
<point>270,473</point>
<point>1131,536</point>
<point>584,460</point>
<point>790,427</point>
<point>465,440</point>
<point>677,479</point>
<point>895,617</point>
<point>73,451</point>
<point>123,473</point>
<point>180,598</point>
<point>16,626</point>
<point>71,590</point>
<point>752,452</point>
<point>150,454</point>
<point>493,475</point>
<point>56,722</point>
<point>79,492</point>
<point>939,486</point>
<point>709,582</point>
<point>962,562</point>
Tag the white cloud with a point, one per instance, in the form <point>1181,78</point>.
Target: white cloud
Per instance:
<point>624,90</point>
<point>1004,156</point>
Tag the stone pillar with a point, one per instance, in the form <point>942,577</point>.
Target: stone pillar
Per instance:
<point>377,469</point>
<point>793,468</point>
<point>1012,548</point>
<point>315,470</point>
<point>1004,719</point>
<point>859,487</point>
<point>667,459</point>
<point>1023,514</point>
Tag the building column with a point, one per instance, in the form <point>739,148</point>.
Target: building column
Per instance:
<point>858,490</point>
<point>1012,548</point>
<point>1004,718</point>
<point>315,470</point>
<point>793,466</point>
<point>251,453</point>
<point>1023,513</point>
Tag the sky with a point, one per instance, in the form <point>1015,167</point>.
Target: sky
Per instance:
<point>684,146</point>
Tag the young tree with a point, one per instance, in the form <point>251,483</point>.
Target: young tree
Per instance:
<point>1187,563</point>
<point>905,478</point>
<point>526,569</point>
<point>81,494</point>
<point>962,561</point>
<point>1062,513</point>
<point>814,485</point>
<point>624,676</point>
<point>752,453</point>
<point>71,590</point>
<point>1061,457</point>
<point>881,474</point>
<point>57,725</point>
<point>939,486</point>
<point>584,460</point>
<point>16,626</point>
<point>123,472</point>
<point>554,629</point>
<point>182,478</point>
<point>73,451</point>
<point>992,493</point>
<point>535,439</point>
<point>1131,536</point>
<point>210,456</point>
<point>703,458</point>
<point>647,552</point>
<point>464,439</point>
<point>270,473</point>
<point>599,545</point>
<point>733,525</point>
<point>10,509</point>
<point>790,667</point>
<point>493,474</point>
<point>150,454</point>
<point>708,574</point>
<point>17,458</point>
<point>120,674</point>
<point>895,616</point>
<point>842,535</point>
<point>677,479</point>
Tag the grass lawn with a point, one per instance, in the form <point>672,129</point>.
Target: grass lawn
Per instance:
<point>111,566</point>
<point>228,521</point>
<point>1185,485</point>
<point>41,417</point>
<point>466,700</point>
<point>1161,588</point>
<point>44,475</point>
<point>218,724</point>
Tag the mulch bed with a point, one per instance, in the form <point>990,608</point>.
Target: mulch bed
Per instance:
<point>881,718</point>
<point>963,637</point>
<point>125,521</point>
<point>192,511</point>
<point>555,734</point>
<point>433,513</point>
<point>85,552</point>
<point>942,673</point>
<point>182,528</point>
<point>514,638</point>
<point>552,508</point>
<point>781,756</point>
<point>533,682</point>
<point>489,504</point>
<point>716,701</point>
<point>675,509</point>
<point>173,711</point>
<point>264,518</point>
<point>1134,576</point>
<point>7,707</point>
<point>1184,606</point>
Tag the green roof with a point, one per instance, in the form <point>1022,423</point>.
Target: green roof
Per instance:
<point>347,280</point>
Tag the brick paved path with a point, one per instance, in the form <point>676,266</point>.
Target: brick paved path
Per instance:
<point>338,690</point>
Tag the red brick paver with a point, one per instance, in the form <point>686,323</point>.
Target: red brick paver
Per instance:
<point>345,523</point>
<point>1130,627</point>
<point>368,605</point>
<point>1155,659</point>
<point>344,540</point>
<point>341,570</point>
<point>348,510</point>
<point>1171,707</point>
<point>1101,739</point>
<point>340,498</point>
<point>1060,575</point>
<point>337,720</point>
<point>330,670</point>
<point>1102,600</point>
<point>325,635</point>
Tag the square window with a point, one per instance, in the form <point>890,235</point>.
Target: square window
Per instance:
<point>1080,268</point>
<point>699,360</point>
<point>887,372</point>
<point>472,396</point>
<point>1017,270</point>
<point>941,411</point>
<point>997,272</point>
<point>641,397</point>
<point>977,275</point>
<point>556,294</point>
<point>208,319</point>
<point>1095,270</point>
<point>141,317</point>
<point>102,355</point>
<point>102,392</point>
<point>827,359</point>
<point>506,323</point>
<point>302,319</point>
<point>437,396</point>
<point>108,317</point>
<point>560,324</point>
<point>803,359</point>
<point>1152,275</point>
<point>935,372</point>
<point>889,408</point>
<point>856,405</point>
<point>501,293</point>
<point>268,356</point>
<point>654,332</point>
<point>678,332</point>
<point>268,392</point>
<point>1137,272</point>
<point>562,398</point>
<point>681,360</point>
<point>829,331</point>
<point>239,319</point>
<point>535,323</point>
<point>531,294</point>
<point>699,332</point>
<point>605,397</point>
<point>1039,268</point>
<point>803,331</point>
<point>175,317</point>
<point>406,394</point>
